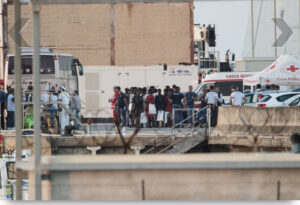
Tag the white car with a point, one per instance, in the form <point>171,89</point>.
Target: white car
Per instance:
<point>255,97</point>
<point>276,99</point>
<point>293,101</point>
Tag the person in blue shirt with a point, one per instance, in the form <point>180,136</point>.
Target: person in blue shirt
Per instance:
<point>10,109</point>
<point>3,97</point>
<point>176,99</point>
<point>189,99</point>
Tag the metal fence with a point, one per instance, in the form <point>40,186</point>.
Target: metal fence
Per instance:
<point>195,112</point>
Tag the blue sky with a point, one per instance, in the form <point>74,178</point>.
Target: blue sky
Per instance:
<point>231,19</point>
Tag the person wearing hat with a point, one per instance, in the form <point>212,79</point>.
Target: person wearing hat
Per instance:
<point>237,98</point>
<point>64,98</point>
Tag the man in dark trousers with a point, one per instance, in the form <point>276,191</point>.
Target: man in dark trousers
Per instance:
<point>137,106</point>
<point>176,99</point>
<point>10,109</point>
<point>3,97</point>
<point>121,107</point>
<point>160,103</point>
<point>189,99</point>
<point>212,100</point>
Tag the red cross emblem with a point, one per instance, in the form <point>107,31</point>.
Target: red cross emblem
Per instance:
<point>292,69</point>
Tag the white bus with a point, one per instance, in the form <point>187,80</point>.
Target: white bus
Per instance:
<point>55,70</point>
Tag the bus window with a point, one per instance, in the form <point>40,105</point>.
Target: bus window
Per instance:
<point>65,62</point>
<point>69,62</point>
<point>60,63</point>
<point>47,65</point>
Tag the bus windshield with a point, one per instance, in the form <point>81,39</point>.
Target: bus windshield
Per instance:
<point>47,64</point>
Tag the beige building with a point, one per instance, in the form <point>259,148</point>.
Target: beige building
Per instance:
<point>107,34</point>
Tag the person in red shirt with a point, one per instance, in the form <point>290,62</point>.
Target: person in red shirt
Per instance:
<point>168,112</point>
<point>150,99</point>
<point>113,101</point>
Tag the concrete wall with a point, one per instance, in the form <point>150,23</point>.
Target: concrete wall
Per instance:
<point>123,34</point>
<point>171,177</point>
<point>252,121</point>
<point>176,185</point>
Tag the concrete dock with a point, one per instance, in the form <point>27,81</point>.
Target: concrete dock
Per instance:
<point>169,177</point>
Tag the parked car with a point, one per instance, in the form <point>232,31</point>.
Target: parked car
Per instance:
<point>293,101</point>
<point>255,97</point>
<point>275,99</point>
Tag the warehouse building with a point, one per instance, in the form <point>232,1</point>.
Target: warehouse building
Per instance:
<point>110,34</point>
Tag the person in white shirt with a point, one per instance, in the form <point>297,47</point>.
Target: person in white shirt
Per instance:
<point>64,98</point>
<point>237,98</point>
<point>45,94</point>
<point>211,99</point>
<point>49,97</point>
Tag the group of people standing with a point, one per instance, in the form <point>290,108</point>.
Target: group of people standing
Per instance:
<point>212,98</point>
<point>59,101</point>
<point>150,107</point>
<point>68,103</point>
<point>7,103</point>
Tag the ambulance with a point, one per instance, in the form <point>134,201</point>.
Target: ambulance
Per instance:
<point>224,81</point>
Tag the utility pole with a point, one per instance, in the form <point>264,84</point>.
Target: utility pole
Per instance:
<point>252,30</point>
<point>275,29</point>
<point>18,97</point>
<point>36,6</point>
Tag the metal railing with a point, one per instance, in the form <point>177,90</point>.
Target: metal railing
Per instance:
<point>208,60</point>
<point>186,119</point>
<point>172,137</point>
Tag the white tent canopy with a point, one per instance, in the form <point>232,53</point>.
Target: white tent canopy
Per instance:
<point>284,71</point>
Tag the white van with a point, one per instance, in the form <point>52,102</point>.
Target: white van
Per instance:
<point>56,69</point>
<point>224,81</point>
